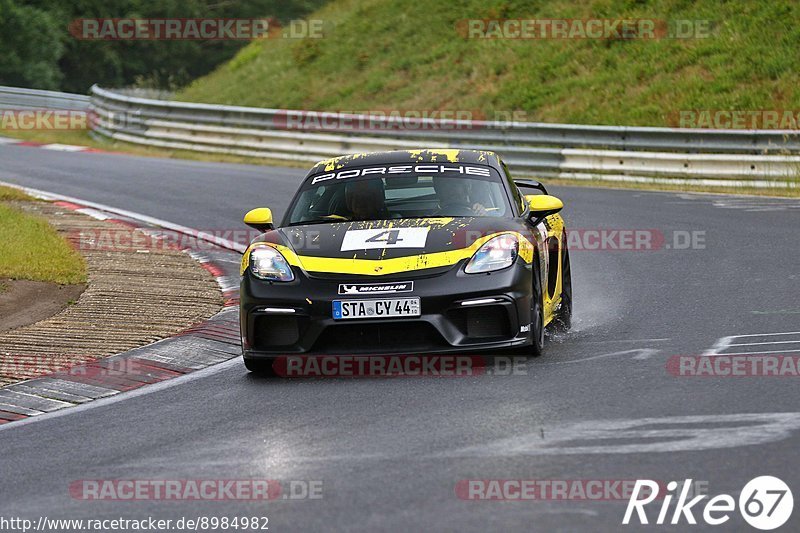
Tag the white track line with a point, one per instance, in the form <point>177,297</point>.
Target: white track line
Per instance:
<point>770,342</point>
<point>721,344</point>
<point>754,353</point>
<point>724,343</point>
<point>766,334</point>
<point>640,354</point>
<point>224,243</point>
<point>63,147</point>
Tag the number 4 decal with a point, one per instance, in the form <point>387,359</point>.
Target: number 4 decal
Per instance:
<point>388,236</point>
<point>369,239</point>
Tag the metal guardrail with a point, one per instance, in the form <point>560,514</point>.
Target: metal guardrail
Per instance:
<point>762,158</point>
<point>24,99</point>
<point>758,158</point>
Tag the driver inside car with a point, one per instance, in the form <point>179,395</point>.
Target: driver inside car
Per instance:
<point>366,200</point>
<point>454,197</point>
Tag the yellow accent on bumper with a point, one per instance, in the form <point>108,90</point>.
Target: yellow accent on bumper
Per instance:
<point>382,267</point>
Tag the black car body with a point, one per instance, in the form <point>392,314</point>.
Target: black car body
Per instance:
<point>400,283</point>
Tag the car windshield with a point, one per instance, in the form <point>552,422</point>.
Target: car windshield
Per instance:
<point>388,193</point>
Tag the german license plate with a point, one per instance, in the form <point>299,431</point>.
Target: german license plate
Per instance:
<point>380,308</point>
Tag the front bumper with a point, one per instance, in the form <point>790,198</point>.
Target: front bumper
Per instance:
<point>296,317</point>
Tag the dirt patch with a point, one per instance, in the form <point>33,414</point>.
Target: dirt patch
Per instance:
<point>25,302</point>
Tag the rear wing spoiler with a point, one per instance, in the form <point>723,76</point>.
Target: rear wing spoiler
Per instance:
<point>530,184</point>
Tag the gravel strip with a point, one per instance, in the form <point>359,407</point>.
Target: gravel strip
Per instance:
<point>135,296</point>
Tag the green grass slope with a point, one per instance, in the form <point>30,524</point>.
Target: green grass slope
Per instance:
<point>394,54</point>
<point>31,249</point>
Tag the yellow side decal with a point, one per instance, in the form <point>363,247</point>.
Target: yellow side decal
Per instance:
<point>555,225</point>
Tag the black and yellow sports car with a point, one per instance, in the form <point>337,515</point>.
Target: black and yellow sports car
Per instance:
<point>404,252</point>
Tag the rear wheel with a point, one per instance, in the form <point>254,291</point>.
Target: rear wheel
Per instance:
<point>563,321</point>
<point>537,312</point>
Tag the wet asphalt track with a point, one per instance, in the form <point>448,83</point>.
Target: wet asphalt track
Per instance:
<point>390,452</point>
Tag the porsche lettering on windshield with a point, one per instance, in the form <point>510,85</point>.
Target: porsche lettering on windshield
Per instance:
<point>402,169</point>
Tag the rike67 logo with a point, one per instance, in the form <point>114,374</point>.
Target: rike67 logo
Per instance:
<point>765,503</point>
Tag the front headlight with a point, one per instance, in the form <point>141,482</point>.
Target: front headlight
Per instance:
<point>497,253</point>
<point>269,264</point>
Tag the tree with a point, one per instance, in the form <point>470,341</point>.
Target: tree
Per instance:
<point>30,46</point>
<point>119,63</point>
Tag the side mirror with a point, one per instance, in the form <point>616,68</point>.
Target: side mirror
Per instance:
<point>260,219</point>
<point>543,205</point>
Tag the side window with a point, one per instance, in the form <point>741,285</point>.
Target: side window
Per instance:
<point>517,197</point>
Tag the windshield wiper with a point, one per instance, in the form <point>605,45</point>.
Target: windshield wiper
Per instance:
<point>318,221</point>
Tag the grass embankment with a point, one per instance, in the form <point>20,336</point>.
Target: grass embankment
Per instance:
<point>386,54</point>
<point>31,249</point>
